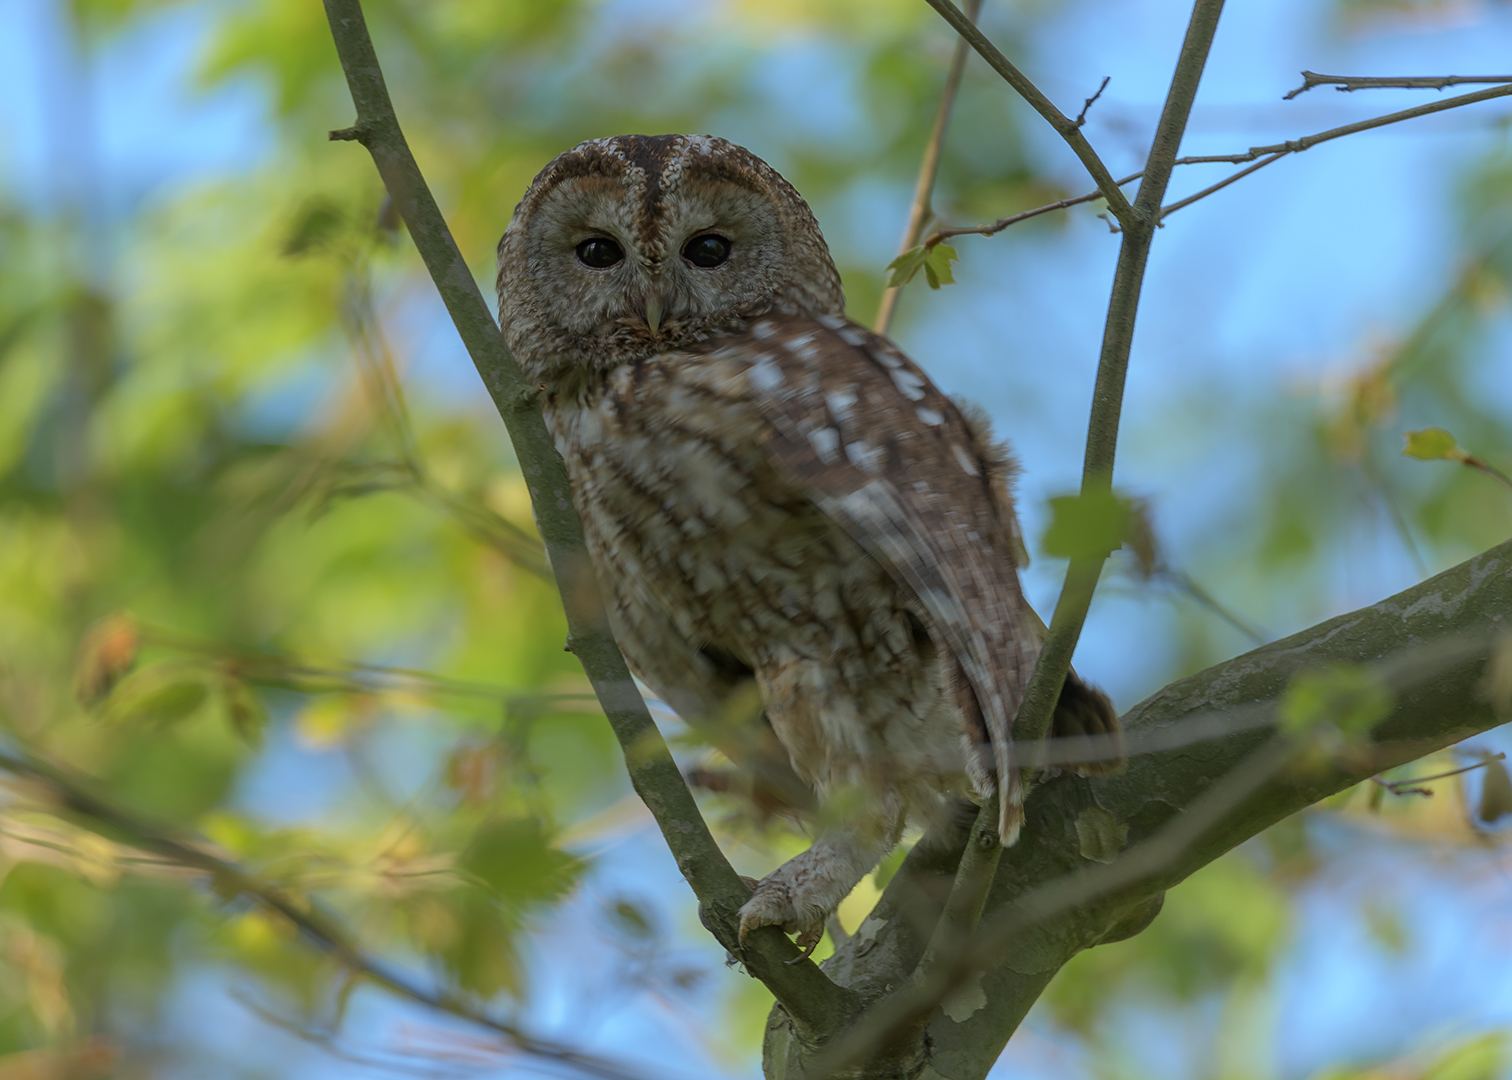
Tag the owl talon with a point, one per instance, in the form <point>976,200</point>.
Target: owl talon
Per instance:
<point>808,941</point>
<point>771,904</point>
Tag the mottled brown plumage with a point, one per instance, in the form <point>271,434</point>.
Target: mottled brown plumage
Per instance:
<point>772,493</point>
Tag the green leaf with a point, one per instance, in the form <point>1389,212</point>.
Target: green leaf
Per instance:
<point>1433,444</point>
<point>244,709</point>
<point>163,695</point>
<point>905,266</point>
<point>319,222</point>
<point>1087,526</point>
<point>937,265</point>
<point>934,261</point>
<point>1350,697</point>
<point>515,860</point>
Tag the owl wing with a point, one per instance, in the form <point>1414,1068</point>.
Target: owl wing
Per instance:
<point>893,461</point>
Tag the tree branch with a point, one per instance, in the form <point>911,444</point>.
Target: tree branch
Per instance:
<point>810,998</point>
<point>1268,153</point>
<point>1063,124</point>
<point>1275,152</point>
<point>920,213</point>
<point>1177,810</point>
<point>1347,83</point>
<point>1043,690</point>
<point>1013,219</point>
<point>75,798</point>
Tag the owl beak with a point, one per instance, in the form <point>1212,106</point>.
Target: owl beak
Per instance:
<point>653,314</point>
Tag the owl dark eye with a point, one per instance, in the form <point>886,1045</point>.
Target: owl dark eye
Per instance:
<point>708,251</point>
<point>599,252</point>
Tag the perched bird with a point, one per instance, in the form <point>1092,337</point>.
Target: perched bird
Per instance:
<point>773,495</point>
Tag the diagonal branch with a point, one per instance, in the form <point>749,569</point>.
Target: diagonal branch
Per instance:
<point>1067,128</point>
<point>1276,151</point>
<point>73,796</point>
<point>803,989</point>
<point>920,213</point>
<point>1176,810</point>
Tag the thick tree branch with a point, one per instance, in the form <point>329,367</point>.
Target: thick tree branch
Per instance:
<point>810,998</point>
<point>920,212</point>
<point>1067,128</point>
<point>1176,810</point>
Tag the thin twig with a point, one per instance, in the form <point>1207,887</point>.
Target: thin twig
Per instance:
<point>75,797</point>
<point>1013,219</point>
<point>920,212</point>
<point>1219,186</point>
<point>1063,124</point>
<point>1268,153</point>
<point>1490,470</point>
<point>1348,83</point>
<point>1406,787</point>
<point>811,999</point>
<point>1275,152</point>
<point>310,676</point>
<point>1081,117</point>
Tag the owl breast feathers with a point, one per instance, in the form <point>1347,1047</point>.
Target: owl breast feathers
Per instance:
<point>776,498</point>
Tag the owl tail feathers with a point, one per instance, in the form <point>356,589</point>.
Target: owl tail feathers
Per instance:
<point>1089,729</point>
<point>1011,808</point>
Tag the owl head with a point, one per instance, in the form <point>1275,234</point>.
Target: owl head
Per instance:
<point>640,244</point>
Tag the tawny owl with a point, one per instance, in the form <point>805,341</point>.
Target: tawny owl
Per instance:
<point>774,495</point>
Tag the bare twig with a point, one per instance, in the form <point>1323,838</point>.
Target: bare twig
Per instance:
<point>1013,219</point>
<point>808,995</point>
<point>75,798</point>
<point>1267,154</point>
<point>1063,124</point>
<point>1490,470</point>
<point>311,676</point>
<point>1219,186</point>
<point>1275,152</point>
<point>1081,117</point>
<point>920,212</point>
<point>1347,83</point>
<point>1409,786</point>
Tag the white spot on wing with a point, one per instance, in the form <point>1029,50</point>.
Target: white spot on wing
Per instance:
<point>763,330</point>
<point>834,322</point>
<point>964,459</point>
<point>863,456</point>
<point>910,384</point>
<point>930,416</point>
<point>826,443</point>
<point>851,336</point>
<point>764,375</point>
<point>840,403</point>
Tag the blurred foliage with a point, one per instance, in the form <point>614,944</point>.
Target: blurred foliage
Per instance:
<point>269,573</point>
